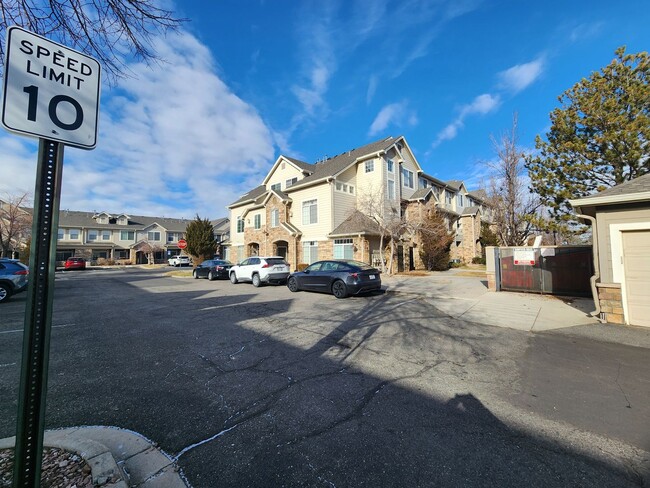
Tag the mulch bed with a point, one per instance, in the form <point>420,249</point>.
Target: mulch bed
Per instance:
<point>60,469</point>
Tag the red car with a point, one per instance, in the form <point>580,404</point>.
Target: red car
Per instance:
<point>75,263</point>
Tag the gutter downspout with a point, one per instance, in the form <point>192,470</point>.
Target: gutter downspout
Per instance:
<point>596,276</point>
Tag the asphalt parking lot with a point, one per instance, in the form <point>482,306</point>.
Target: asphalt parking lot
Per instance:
<point>253,386</point>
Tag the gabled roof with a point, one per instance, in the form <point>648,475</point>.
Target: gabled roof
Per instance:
<point>249,197</point>
<point>456,184</point>
<point>636,190</point>
<point>306,168</point>
<point>421,194</point>
<point>471,210</point>
<point>75,218</point>
<point>357,223</point>
<point>282,196</point>
<point>337,164</point>
<point>222,223</point>
<point>479,194</point>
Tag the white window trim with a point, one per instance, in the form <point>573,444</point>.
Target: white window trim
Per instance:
<point>618,270</point>
<point>404,178</point>
<point>388,182</point>
<point>389,163</point>
<point>275,221</point>
<point>369,164</point>
<point>302,210</point>
<point>257,221</point>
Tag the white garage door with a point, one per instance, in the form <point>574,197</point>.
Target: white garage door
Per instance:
<point>636,260</point>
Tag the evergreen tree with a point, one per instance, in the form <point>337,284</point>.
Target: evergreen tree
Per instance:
<point>600,136</point>
<point>201,243</point>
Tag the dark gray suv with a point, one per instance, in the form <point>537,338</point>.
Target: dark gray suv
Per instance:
<point>13,278</point>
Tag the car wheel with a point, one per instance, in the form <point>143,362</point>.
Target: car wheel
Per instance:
<point>233,278</point>
<point>5,293</point>
<point>339,290</point>
<point>210,276</point>
<point>195,275</point>
<point>256,280</point>
<point>292,284</point>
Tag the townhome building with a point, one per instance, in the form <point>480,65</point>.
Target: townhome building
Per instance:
<point>122,237</point>
<point>306,212</point>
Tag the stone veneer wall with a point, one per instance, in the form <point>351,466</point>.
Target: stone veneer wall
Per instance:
<point>611,302</point>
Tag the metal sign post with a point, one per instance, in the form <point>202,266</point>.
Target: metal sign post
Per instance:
<point>38,316</point>
<point>51,92</point>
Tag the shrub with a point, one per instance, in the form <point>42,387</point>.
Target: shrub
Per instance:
<point>478,260</point>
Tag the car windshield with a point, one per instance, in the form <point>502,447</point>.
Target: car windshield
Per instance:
<point>274,261</point>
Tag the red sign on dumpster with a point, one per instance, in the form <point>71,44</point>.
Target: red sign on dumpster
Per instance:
<point>182,243</point>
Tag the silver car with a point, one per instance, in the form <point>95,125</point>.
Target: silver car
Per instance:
<point>13,278</point>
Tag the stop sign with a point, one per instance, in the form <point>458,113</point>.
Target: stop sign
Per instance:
<point>182,243</point>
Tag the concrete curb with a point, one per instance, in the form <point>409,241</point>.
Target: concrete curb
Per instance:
<point>118,458</point>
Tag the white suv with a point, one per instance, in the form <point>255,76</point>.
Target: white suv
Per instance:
<point>258,270</point>
<point>179,260</point>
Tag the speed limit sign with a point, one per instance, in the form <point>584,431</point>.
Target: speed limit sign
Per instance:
<point>50,91</point>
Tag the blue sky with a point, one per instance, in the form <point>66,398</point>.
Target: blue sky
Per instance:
<point>246,81</point>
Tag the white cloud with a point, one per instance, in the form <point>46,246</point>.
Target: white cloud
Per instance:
<point>521,76</point>
<point>482,104</point>
<point>395,114</point>
<point>174,140</point>
<point>373,82</point>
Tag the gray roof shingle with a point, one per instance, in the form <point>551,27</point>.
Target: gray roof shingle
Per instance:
<point>75,218</point>
<point>357,223</point>
<point>637,185</point>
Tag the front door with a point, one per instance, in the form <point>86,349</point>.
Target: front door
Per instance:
<point>400,259</point>
<point>282,252</point>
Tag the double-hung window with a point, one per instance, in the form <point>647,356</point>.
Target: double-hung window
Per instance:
<point>92,235</point>
<point>127,235</point>
<point>390,165</point>
<point>370,166</point>
<point>74,234</point>
<point>153,236</point>
<point>310,251</point>
<point>240,225</point>
<point>343,249</point>
<point>290,182</point>
<point>106,235</point>
<point>391,190</point>
<point>276,187</point>
<point>60,235</point>
<point>257,221</point>
<point>275,217</point>
<point>310,212</point>
<point>407,178</point>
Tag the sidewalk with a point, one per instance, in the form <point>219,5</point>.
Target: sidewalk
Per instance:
<point>118,458</point>
<point>467,297</point>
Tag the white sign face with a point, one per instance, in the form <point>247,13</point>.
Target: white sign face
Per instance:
<point>50,91</point>
<point>524,257</point>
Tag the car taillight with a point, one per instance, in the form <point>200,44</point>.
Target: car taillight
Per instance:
<point>22,272</point>
<point>267,265</point>
<point>219,268</point>
<point>354,275</point>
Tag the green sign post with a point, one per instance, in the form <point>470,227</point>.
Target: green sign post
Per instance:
<point>50,92</point>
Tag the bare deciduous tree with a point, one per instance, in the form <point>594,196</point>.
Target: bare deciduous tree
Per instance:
<point>511,202</point>
<point>15,223</point>
<point>108,30</point>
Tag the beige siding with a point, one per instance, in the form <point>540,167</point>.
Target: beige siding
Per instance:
<point>344,202</point>
<point>370,185</point>
<point>285,171</point>
<point>323,195</point>
<point>605,218</point>
<point>237,239</point>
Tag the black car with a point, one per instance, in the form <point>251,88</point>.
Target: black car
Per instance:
<point>212,269</point>
<point>340,277</point>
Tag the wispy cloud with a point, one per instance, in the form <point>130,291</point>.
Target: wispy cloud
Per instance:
<point>583,32</point>
<point>481,105</point>
<point>174,140</point>
<point>394,114</point>
<point>520,76</point>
